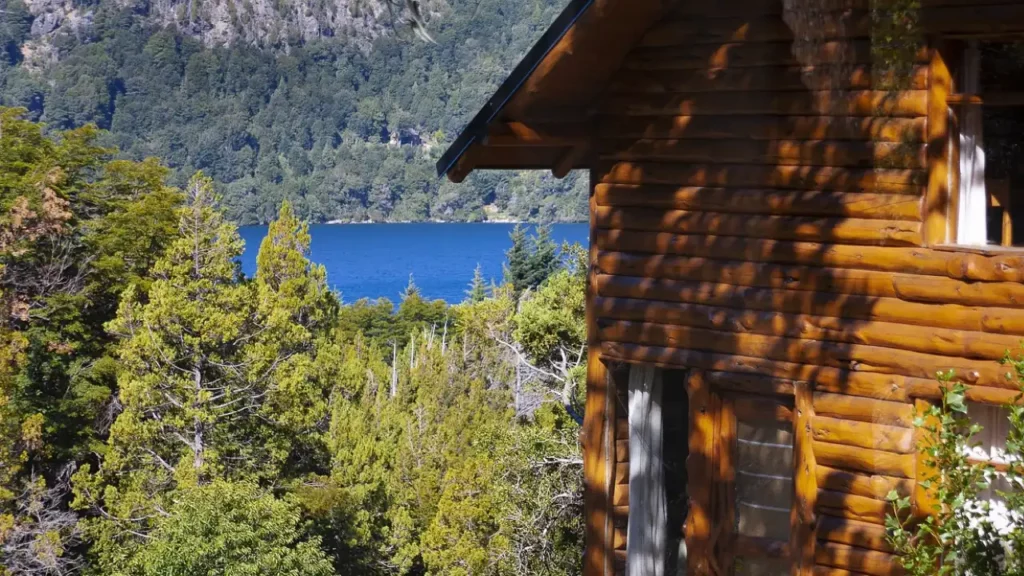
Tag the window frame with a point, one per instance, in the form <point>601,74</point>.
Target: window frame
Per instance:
<point>711,543</point>
<point>944,112</point>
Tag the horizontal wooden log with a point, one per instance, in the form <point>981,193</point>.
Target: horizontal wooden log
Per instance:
<point>743,55</point>
<point>620,514</point>
<point>749,383</point>
<point>873,486</point>
<point>670,32</point>
<point>620,495</point>
<point>821,103</point>
<point>622,473</point>
<point>751,8</point>
<point>619,538</point>
<point>838,355</point>
<point>863,460</point>
<point>933,391</point>
<point>800,228</point>
<point>857,559</point>
<point>863,434</point>
<point>619,562</point>
<point>936,341</point>
<point>997,298</point>
<point>776,202</point>
<point>774,78</point>
<point>772,152</point>
<point>882,259</point>
<point>858,311</point>
<point>861,384</point>
<point>750,176</point>
<point>820,570</point>
<point>866,410</point>
<point>852,533</point>
<point>765,128</point>
<point>850,507</point>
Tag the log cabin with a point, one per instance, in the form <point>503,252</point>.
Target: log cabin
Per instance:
<point>800,212</point>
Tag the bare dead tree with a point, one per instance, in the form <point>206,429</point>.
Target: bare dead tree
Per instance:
<point>556,376</point>
<point>45,533</point>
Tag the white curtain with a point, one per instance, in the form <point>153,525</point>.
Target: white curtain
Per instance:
<point>646,532</point>
<point>990,445</point>
<point>971,223</point>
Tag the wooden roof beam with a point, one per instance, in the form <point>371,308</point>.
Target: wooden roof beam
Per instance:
<point>508,134</point>
<point>569,160</point>
<point>465,164</point>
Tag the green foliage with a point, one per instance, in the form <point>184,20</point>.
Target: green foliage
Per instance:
<point>896,40</point>
<point>230,529</point>
<point>231,425</point>
<point>219,378</point>
<point>530,259</point>
<point>477,287</point>
<point>341,128</point>
<point>958,536</point>
<point>75,229</point>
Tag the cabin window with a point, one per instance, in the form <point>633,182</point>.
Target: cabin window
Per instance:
<point>986,136</point>
<point>990,446</point>
<point>658,408</point>
<point>757,464</point>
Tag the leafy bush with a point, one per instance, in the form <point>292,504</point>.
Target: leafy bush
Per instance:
<point>958,536</point>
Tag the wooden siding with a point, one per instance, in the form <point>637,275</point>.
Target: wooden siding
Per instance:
<point>766,221</point>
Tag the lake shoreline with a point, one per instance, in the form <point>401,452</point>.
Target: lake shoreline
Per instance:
<point>374,261</point>
<point>530,222</point>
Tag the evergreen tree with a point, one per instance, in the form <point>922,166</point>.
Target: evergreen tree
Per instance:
<point>220,378</point>
<point>477,287</point>
<point>531,259</point>
<point>517,260</point>
<point>231,530</point>
<point>543,259</point>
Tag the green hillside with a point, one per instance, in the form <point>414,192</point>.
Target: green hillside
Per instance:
<point>346,122</point>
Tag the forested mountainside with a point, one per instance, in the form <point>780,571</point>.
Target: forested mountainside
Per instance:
<point>335,106</point>
<point>162,414</point>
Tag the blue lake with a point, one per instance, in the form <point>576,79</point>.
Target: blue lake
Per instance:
<point>375,260</point>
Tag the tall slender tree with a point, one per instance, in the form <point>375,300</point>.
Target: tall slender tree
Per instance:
<point>477,287</point>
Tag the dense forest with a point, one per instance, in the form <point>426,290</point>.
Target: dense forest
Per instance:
<point>161,413</point>
<point>345,123</point>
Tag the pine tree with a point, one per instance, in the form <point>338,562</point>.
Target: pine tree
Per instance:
<point>543,259</point>
<point>517,260</point>
<point>221,378</point>
<point>531,259</point>
<point>477,287</point>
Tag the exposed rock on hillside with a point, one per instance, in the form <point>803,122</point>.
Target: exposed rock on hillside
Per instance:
<point>262,23</point>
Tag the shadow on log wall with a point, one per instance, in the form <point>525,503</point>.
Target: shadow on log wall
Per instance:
<point>758,220</point>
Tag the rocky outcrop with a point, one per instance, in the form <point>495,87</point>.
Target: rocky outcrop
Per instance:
<point>261,23</point>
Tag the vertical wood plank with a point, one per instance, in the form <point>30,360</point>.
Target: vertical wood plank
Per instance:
<point>924,501</point>
<point>936,200</point>
<point>725,514</point>
<point>700,473</point>
<point>802,518</point>
<point>597,437</point>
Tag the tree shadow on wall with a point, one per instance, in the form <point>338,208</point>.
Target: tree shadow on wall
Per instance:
<point>772,241</point>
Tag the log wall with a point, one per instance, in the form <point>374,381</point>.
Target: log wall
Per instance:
<point>765,215</point>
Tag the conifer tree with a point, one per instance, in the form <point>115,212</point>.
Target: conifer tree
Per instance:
<point>221,378</point>
<point>543,259</point>
<point>531,259</point>
<point>517,260</point>
<point>477,287</point>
